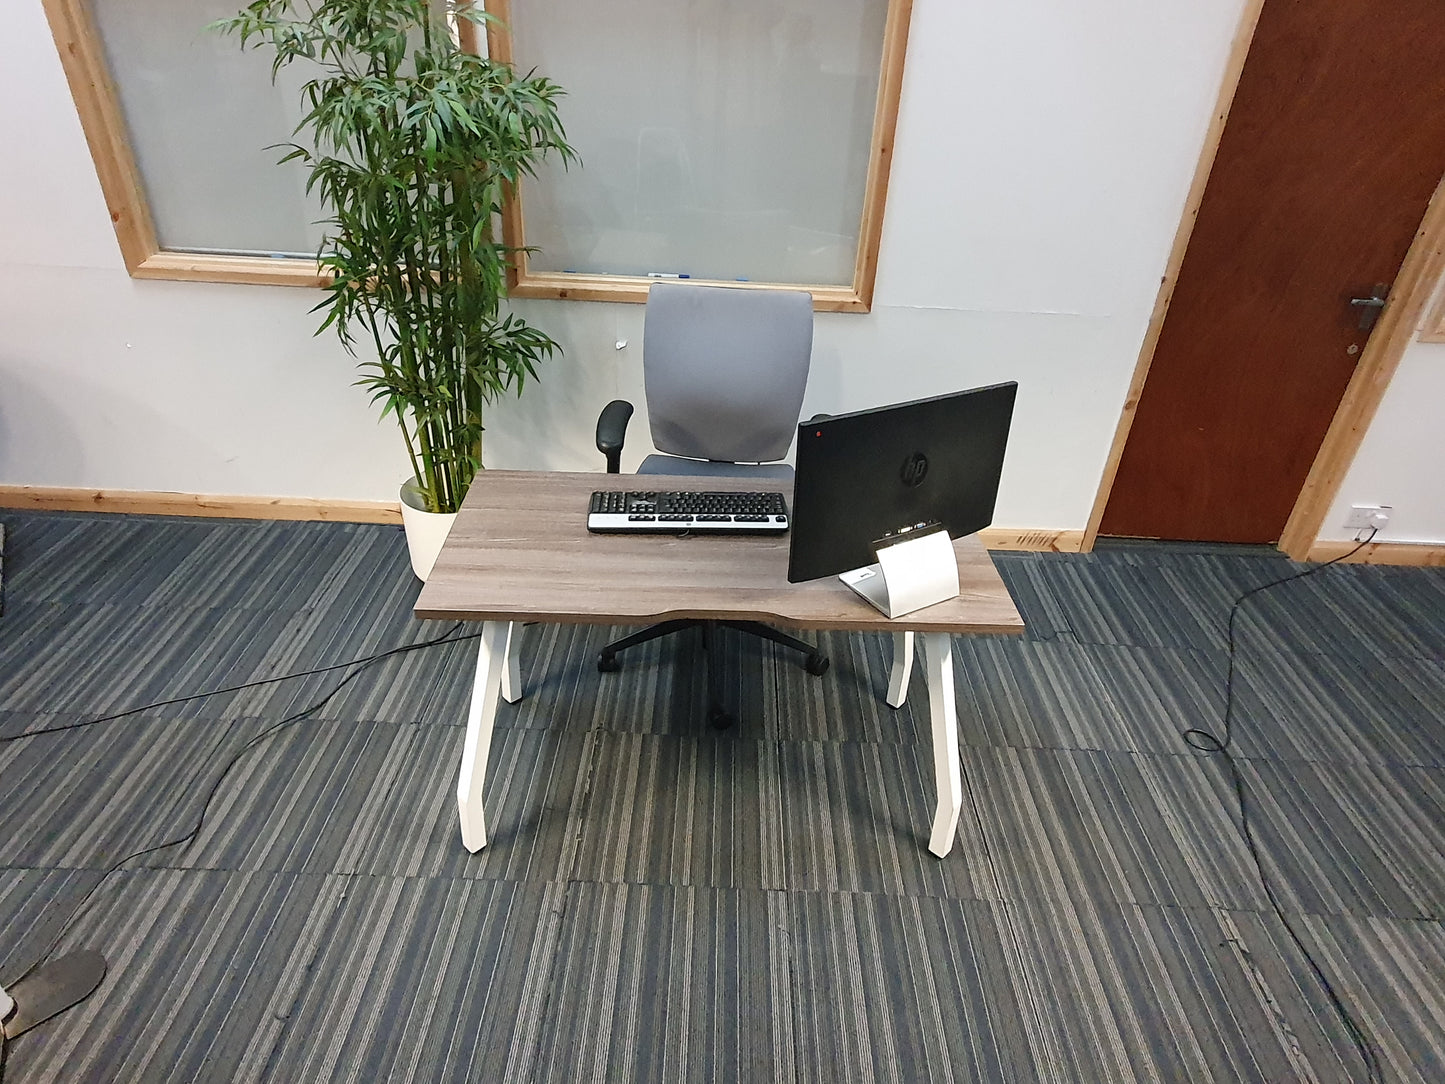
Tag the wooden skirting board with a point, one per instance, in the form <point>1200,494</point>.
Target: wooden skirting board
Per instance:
<point>139,502</point>
<point>1008,538</point>
<point>52,499</point>
<point>1381,553</point>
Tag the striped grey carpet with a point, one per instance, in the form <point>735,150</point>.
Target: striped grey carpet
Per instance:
<point>663,903</point>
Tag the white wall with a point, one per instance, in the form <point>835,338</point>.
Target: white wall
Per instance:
<point>1402,460</point>
<point>109,382</point>
<point>1043,156</point>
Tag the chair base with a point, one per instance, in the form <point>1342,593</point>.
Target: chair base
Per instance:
<point>814,662</point>
<point>52,988</point>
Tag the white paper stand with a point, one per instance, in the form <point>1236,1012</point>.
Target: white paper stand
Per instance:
<point>910,574</point>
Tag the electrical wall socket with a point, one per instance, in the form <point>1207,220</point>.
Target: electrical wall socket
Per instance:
<point>1364,516</point>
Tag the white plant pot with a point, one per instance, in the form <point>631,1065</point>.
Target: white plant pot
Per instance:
<point>425,531</point>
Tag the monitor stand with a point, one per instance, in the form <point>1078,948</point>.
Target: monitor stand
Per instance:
<point>913,572</point>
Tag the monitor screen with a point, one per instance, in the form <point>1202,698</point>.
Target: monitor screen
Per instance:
<point>865,476</point>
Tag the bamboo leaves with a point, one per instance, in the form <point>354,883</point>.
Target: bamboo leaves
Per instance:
<point>411,144</point>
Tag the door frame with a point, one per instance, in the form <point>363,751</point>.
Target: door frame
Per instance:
<point>1412,290</point>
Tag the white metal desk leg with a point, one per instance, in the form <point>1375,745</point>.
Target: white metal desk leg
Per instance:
<point>491,661</point>
<point>512,675</point>
<point>902,669</point>
<point>938,659</point>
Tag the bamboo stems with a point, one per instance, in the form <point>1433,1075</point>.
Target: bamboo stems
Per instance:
<point>407,151</point>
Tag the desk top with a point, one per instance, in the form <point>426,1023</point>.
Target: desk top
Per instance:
<point>520,551</point>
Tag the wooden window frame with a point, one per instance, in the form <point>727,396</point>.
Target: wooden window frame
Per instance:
<point>91,85</point>
<point>83,58</point>
<point>522,281</point>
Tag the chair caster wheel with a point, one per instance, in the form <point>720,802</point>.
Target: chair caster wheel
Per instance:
<point>608,664</point>
<point>719,719</point>
<point>816,664</point>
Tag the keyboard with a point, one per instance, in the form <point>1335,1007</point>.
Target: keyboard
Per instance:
<point>676,511</point>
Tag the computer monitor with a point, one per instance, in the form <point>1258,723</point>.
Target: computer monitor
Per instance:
<point>862,478</point>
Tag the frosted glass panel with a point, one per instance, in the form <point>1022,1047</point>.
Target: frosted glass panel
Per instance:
<point>722,139</point>
<point>200,115</point>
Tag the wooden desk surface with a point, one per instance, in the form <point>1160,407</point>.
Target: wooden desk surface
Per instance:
<point>520,551</point>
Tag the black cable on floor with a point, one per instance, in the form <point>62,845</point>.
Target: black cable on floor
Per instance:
<point>361,665</point>
<point>367,660</point>
<point>1208,742</point>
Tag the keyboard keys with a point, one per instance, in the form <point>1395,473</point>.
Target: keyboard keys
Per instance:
<point>683,510</point>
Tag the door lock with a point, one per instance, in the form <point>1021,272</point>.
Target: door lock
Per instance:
<point>1370,306</point>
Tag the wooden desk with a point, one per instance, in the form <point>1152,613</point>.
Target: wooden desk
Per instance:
<point>520,551</point>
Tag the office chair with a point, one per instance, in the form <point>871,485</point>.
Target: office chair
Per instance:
<point>724,370</point>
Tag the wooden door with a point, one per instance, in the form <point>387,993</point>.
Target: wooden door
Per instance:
<point>1334,143</point>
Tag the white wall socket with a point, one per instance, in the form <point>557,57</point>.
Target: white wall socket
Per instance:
<point>1364,516</point>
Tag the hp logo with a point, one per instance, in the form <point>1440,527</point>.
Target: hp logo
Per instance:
<point>914,469</point>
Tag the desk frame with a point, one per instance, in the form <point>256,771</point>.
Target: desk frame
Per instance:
<point>519,532</point>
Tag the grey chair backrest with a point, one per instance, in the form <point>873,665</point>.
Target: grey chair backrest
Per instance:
<point>725,368</point>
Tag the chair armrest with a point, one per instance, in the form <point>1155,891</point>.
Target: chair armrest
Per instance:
<point>612,430</point>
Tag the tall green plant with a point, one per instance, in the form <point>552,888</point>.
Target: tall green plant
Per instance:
<point>413,143</point>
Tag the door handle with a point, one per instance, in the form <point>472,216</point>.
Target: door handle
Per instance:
<point>1370,306</point>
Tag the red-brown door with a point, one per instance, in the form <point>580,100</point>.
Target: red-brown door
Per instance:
<point>1334,143</point>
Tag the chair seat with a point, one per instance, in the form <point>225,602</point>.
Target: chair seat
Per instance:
<point>706,468</point>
